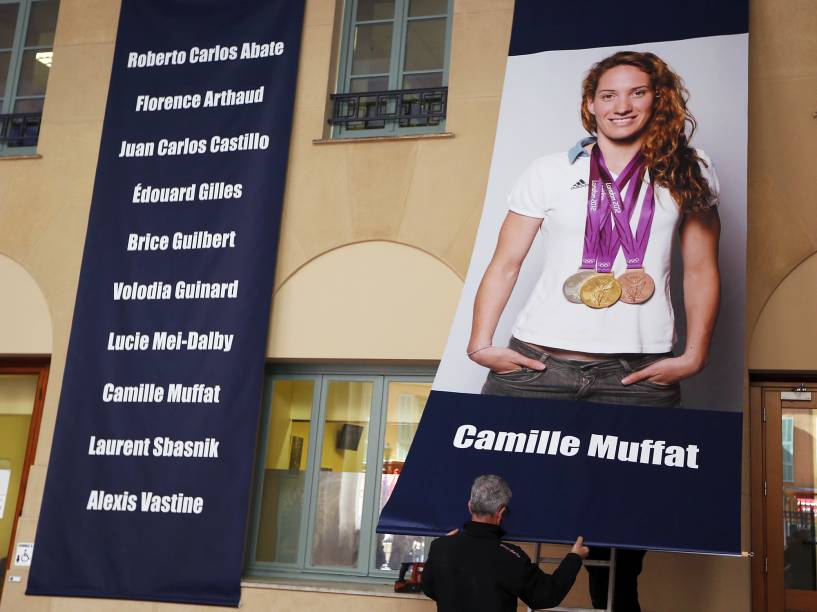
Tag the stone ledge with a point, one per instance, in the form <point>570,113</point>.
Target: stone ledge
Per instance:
<point>365,589</point>
<point>327,141</point>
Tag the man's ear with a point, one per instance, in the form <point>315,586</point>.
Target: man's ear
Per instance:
<point>469,507</point>
<point>501,513</point>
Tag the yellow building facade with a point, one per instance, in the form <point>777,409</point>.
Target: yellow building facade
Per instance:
<point>386,226</point>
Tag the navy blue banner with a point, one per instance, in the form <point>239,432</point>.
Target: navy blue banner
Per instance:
<point>548,26</point>
<point>149,477</point>
<point>621,476</point>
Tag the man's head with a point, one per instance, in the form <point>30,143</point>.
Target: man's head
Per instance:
<point>490,496</point>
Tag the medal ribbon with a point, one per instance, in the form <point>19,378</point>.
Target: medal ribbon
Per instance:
<point>634,246</point>
<point>601,244</point>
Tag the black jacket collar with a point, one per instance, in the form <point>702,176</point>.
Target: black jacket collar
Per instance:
<point>483,530</point>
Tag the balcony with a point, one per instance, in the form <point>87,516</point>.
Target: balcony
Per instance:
<point>19,130</point>
<point>378,110</point>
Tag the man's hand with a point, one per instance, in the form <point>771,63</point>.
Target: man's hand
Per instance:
<point>504,360</point>
<point>666,372</point>
<point>452,532</point>
<point>579,548</point>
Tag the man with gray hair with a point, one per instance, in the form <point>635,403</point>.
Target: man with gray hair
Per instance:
<point>473,570</point>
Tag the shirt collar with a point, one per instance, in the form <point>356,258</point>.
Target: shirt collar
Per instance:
<point>578,149</point>
<point>483,530</point>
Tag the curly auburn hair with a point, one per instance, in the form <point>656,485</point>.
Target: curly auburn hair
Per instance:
<point>672,162</point>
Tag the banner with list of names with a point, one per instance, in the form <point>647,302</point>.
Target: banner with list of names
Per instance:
<point>149,478</point>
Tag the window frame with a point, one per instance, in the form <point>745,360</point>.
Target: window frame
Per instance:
<point>18,50</point>
<point>396,60</point>
<point>323,376</point>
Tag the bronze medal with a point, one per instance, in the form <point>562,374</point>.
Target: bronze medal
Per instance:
<point>636,286</point>
<point>601,290</point>
<point>572,286</point>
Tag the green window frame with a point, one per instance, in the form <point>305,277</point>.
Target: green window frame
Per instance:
<point>300,563</point>
<point>397,74</point>
<point>24,56</point>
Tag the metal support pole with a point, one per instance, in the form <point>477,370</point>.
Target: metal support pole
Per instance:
<point>611,580</point>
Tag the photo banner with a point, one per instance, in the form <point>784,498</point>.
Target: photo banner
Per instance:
<point>148,482</point>
<point>586,454</point>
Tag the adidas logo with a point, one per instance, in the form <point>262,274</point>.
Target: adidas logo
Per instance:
<point>580,184</point>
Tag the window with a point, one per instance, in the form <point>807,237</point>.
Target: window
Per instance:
<point>788,448</point>
<point>26,48</point>
<point>393,71</point>
<point>330,452</point>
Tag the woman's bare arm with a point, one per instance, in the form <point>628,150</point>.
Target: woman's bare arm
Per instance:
<point>700,233</point>
<point>515,239</point>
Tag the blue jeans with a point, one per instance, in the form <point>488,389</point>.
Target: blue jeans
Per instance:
<point>592,381</point>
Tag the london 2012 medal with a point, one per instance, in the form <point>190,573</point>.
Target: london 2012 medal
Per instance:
<point>636,286</point>
<point>600,291</point>
<point>572,286</point>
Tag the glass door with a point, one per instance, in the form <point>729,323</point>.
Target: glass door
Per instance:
<point>346,446</point>
<point>791,497</point>
<point>22,390</point>
<point>404,401</point>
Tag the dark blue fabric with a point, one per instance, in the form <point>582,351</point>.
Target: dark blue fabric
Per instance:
<point>557,498</point>
<point>548,25</point>
<point>134,554</point>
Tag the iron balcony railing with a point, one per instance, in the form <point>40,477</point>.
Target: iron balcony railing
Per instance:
<point>374,109</point>
<point>20,129</point>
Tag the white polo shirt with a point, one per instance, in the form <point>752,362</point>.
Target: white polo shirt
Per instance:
<point>554,189</point>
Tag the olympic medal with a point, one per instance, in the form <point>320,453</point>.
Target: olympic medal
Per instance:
<point>572,286</point>
<point>636,286</point>
<point>600,291</point>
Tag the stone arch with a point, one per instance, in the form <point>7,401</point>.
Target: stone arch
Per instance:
<point>785,334</point>
<point>367,300</point>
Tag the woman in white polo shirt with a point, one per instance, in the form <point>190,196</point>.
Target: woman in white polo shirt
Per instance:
<point>599,324</point>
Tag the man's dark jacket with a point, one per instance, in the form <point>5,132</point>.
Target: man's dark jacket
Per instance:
<point>475,571</point>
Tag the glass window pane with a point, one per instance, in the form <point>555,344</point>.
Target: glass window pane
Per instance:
<point>369,84</point>
<point>372,49</point>
<point>369,10</point>
<point>425,44</point>
<point>406,401</point>
<point>282,496</point>
<point>5,57</point>
<point>42,23</point>
<point>421,105</point>
<point>365,106</point>
<point>24,131</point>
<point>418,81</point>
<point>339,509</point>
<point>33,105</point>
<point>34,73</point>
<point>427,7</point>
<point>799,428</point>
<point>8,23</point>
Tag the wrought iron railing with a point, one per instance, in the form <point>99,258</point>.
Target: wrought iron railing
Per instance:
<point>375,109</point>
<point>20,129</point>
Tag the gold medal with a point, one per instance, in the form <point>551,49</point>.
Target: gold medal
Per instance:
<point>600,290</point>
<point>572,286</point>
<point>636,286</point>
